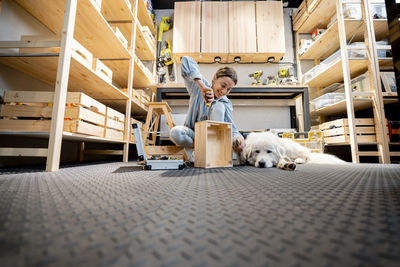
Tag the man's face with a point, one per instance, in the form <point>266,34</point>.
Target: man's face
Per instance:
<point>222,86</point>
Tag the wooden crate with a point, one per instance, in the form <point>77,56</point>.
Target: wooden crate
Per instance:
<point>213,144</point>
<point>26,111</point>
<point>337,131</point>
<point>102,70</point>
<point>115,124</point>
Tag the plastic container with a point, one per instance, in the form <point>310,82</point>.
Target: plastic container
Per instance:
<point>326,100</point>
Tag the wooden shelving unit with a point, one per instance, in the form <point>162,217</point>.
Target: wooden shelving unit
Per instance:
<point>91,26</point>
<point>334,73</point>
<point>317,14</point>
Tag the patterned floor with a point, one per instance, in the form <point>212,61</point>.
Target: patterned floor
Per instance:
<point>116,214</point>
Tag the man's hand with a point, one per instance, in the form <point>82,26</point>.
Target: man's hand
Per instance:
<point>238,144</point>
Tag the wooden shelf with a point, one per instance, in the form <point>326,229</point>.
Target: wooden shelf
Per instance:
<point>144,17</point>
<point>81,78</point>
<point>67,136</point>
<point>142,77</point>
<point>91,29</point>
<point>329,43</point>
<point>145,49</point>
<point>116,10</point>
<point>138,109</point>
<point>319,17</point>
<point>339,108</point>
<point>334,73</point>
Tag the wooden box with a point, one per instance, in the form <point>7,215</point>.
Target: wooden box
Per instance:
<point>213,144</point>
<point>26,111</point>
<point>115,124</point>
<point>337,131</point>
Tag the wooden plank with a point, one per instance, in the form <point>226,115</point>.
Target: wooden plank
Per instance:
<point>328,42</point>
<point>85,114</point>
<point>322,11</point>
<point>113,134</point>
<point>81,78</point>
<point>346,139</point>
<point>26,111</point>
<point>91,27</point>
<point>144,16</point>
<point>115,115</point>
<point>24,125</point>
<point>214,31</point>
<point>345,122</point>
<point>145,49</point>
<point>110,123</point>
<point>174,151</point>
<point>75,98</point>
<point>142,77</point>
<point>103,152</point>
<point>334,73</point>
<point>186,35</point>
<point>81,127</point>
<point>116,10</point>
<point>270,30</point>
<point>242,30</point>
<point>23,152</point>
<point>61,86</point>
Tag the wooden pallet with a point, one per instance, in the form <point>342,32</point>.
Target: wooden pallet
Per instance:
<point>26,111</point>
<point>337,131</point>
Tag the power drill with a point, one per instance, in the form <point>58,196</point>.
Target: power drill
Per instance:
<point>257,77</point>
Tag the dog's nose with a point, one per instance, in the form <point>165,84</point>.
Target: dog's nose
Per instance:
<point>261,164</point>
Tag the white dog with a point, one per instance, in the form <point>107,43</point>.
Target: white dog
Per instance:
<point>266,150</point>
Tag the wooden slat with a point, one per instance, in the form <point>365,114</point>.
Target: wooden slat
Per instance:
<point>23,152</point>
<point>242,30</point>
<point>26,111</point>
<point>81,79</point>
<point>214,31</point>
<point>81,127</point>
<point>186,39</point>
<point>113,134</point>
<point>270,29</point>
<point>103,152</point>
<point>91,27</point>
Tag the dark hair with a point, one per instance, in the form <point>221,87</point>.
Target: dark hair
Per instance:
<point>227,72</point>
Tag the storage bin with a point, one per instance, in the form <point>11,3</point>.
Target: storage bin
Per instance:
<point>326,100</point>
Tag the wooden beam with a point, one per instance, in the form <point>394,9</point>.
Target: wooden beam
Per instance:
<point>127,132</point>
<point>23,152</point>
<point>23,44</point>
<point>346,80</point>
<point>375,84</point>
<point>56,130</point>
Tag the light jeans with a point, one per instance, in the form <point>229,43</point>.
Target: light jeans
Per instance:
<point>184,136</point>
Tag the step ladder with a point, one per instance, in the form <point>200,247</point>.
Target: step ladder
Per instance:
<point>150,129</point>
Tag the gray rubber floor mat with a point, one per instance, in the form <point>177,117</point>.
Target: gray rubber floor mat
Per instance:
<point>118,215</point>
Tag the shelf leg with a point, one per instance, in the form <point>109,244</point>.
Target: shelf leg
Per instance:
<point>128,127</point>
<point>346,79</point>
<point>60,94</point>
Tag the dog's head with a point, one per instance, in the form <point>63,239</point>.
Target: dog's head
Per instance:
<point>262,150</point>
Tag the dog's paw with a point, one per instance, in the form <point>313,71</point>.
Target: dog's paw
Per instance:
<point>299,161</point>
<point>290,166</point>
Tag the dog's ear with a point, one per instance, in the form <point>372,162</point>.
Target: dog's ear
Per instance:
<point>246,154</point>
<point>280,150</point>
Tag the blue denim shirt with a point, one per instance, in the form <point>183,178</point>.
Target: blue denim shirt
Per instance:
<point>198,110</point>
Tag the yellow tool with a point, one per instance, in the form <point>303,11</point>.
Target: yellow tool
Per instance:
<point>165,56</point>
<point>257,77</point>
<point>208,103</point>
